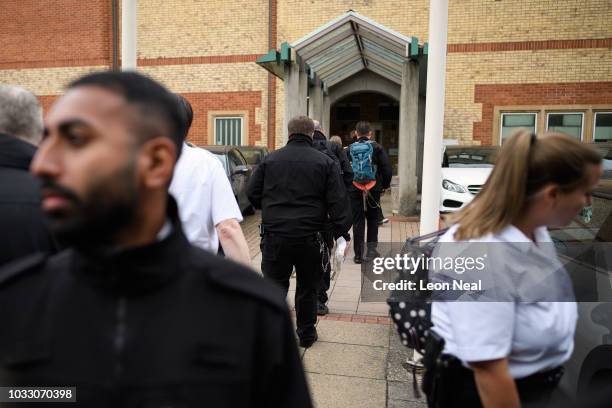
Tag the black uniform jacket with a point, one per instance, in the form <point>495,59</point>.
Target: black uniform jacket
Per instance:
<point>297,187</point>
<point>384,171</point>
<point>338,151</point>
<point>23,229</point>
<point>163,325</point>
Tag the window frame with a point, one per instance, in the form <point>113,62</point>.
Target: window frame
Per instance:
<point>608,112</point>
<point>501,121</point>
<point>228,114</point>
<point>241,127</point>
<point>566,112</point>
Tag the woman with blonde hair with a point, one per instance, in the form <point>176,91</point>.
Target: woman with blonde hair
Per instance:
<point>509,353</point>
<point>336,139</point>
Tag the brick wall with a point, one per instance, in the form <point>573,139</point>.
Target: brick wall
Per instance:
<point>209,47</point>
<point>578,93</point>
<point>186,28</point>
<point>464,71</point>
<point>55,33</point>
<point>205,102</point>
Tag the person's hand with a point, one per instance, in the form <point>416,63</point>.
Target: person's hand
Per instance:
<point>346,250</point>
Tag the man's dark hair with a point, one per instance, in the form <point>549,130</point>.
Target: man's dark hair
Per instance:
<point>301,125</point>
<point>157,106</point>
<point>187,112</point>
<point>363,128</point>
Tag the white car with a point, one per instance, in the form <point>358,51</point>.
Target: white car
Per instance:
<point>464,171</point>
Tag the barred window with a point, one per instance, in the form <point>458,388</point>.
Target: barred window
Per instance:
<point>228,130</point>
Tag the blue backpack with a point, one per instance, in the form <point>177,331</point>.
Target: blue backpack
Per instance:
<point>364,169</point>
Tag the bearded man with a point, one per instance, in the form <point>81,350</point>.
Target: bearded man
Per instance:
<point>131,314</point>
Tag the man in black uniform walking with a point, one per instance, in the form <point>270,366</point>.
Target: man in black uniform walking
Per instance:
<point>132,314</point>
<point>384,171</point>
<point>297,187</point>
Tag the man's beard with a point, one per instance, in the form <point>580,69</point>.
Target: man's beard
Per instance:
<point>109,206</point>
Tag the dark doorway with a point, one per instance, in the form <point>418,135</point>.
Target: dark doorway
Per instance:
<point>380,110</point>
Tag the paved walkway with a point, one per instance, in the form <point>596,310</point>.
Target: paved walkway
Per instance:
<point>357,361</point>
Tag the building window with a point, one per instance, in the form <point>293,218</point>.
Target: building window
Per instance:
<point>511,122</point>
<point>568,123</point>
<point>228,130</point>
<point>602,129</point>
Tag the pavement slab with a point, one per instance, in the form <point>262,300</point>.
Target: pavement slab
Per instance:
<point>339,306</point>
<point>362,334</point>
<point>333,391</point>
<point>346,359</point>
<point>406,404</point>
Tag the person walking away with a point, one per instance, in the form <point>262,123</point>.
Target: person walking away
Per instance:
<point>337,154</point>
<point>23,228</point>
<point>299,191</point>
<point>206,202</point>
<point>371,175</point>
<point>510,352</point>
<point>337,140</point>
<point>132,314</point>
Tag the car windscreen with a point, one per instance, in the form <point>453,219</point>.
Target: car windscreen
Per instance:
<point>471,157</point>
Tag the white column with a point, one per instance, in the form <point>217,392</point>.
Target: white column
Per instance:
<point>128,35</point>
<point>325,115</point>
<point>303,93</point>
<point>408,125</point>
<point>295,95</point>
<point>434,115</point>
<point>315,107</point>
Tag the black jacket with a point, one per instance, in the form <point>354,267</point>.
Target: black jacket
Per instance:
<point>166,324</point>
<point>384,171</point>
<point>23,228</point>
<point>297,187</point>
<point>321,143</point>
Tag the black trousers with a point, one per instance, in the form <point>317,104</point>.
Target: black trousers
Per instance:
<point>454,386</point>
<point>326,261</point>
<point>278,257</point>
<point>359,219</point>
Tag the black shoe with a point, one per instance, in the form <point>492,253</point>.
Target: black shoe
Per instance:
<point>322,309</point>
<point>383,221</point>
<point>357,260</point>
<point>371,254</point>
<point>307,343</point>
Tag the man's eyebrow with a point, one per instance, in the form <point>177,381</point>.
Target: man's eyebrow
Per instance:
<point>67,124</point>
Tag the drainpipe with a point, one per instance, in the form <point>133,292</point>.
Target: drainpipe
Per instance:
<point>115,19</point>
<point>434,116</point>
<point>271,89</point>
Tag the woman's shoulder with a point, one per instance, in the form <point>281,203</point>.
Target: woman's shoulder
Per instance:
<point>449,236</point>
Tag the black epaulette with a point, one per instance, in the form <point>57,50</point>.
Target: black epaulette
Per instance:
<point>22,266</point>
<point>239,278</point>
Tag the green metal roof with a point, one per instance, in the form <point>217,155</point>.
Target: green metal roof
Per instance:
<point>344,46</point>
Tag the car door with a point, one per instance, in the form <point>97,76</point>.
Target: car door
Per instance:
<point>238,177</point>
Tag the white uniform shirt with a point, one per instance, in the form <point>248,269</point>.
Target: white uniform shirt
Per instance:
<point>204,196</point>
<point>535,336</point>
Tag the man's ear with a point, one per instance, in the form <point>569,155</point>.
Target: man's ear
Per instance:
<point>550,193</point>
<point>156,163</point>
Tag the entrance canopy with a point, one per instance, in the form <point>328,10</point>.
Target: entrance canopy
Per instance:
<point>344,46</point>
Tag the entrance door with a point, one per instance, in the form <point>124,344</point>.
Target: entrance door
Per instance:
<point>377,133</point>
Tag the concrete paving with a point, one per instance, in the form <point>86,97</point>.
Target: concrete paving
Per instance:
<point>358,360</point>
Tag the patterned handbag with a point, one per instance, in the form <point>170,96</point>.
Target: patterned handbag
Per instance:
<point>411,309</point>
